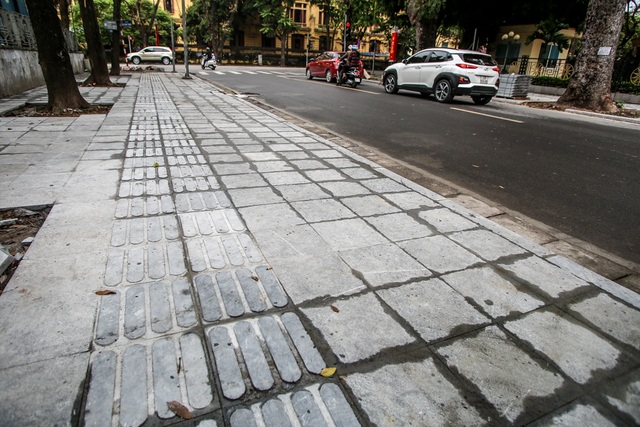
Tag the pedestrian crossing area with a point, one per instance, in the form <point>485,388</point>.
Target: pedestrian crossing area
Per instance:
<point>250,72</point>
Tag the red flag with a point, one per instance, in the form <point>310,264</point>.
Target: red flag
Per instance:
<point>157,36</point>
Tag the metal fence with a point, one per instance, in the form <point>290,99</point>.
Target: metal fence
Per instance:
<point>16,32</point>
<point>560,68</point>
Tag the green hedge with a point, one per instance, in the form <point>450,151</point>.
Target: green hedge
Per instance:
<point>622,87</point>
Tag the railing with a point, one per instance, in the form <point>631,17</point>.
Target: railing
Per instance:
<point>560,68</point>
<point>16,32</point>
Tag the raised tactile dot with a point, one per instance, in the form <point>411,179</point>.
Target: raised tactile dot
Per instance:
<point>185,313</point>
<point>108,319</point>
<point>209,303</point>
<point>134,314</point>
<point>230,294</point>
<point>271,286</point>
<point>99,404</point>
<point>242,418</point>
<point>195,371</point>
<point>165,376</point>
<point>301,339</point>
<point>279,349</point>
<point>133,395</point>
<point>275,414</point>
<point>251,290</point>
<point>338,407</point>
<point>160,308</point>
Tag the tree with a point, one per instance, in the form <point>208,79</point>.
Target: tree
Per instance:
<point>426,16</point>
<point>63,11</point>
<point>53,57</point>
<point>115,40</point>
<point>211,20</point>
<point>144,15</point>
<point>549,32</point>
<point>97,57</point>
<point>590,85</point>
<point>277,22</point>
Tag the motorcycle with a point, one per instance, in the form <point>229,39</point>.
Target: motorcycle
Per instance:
<point>209,63</point>
<point>350,76</point>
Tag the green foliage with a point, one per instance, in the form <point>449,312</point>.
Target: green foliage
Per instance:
<point>104,10</point>
<point>548,31</point>
<point>628,87</point>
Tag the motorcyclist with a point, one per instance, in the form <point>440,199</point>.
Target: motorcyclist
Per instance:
<point>207,56</point>
<point>350,59</point>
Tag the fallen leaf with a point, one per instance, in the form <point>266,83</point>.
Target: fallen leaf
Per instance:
<point>180,410</point>
<point>179,364</point>
<point>269,268</point>
<point>156,164</point>
<point>105,292</point>
<point>254,277</point>
<point>328,372</point>
<point>336,309</point>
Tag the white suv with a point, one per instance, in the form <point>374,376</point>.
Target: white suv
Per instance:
<point>151,54</point>
<point>445,73</point>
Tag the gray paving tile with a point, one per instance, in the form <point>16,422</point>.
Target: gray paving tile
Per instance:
<point>274,166</point>
<point>624,396</point>
<point>544,276</point>
<point>246,180</point>
<point>342,330</point>
<point>369,205</point>
<point>296,193</point>
<point>611,317</point>
<point>99,403</point>
<point>504,374</point>
<point>486,244</point>
<point>307,409</point>
<point>422,305</point>
<point>303,343</point>
<point>268,217</point>
<point>384,264</point>
<point>285,178</point>
<point>198,386</point>
<point>446,221</point>
<point>487,289</point>
<point>322,210</point>
<point>280,352</point>
<point>391,396</point>
<point>399,226</point>
<point>275,414</point>
<point>344,189</point>
<point>133,402</point>
<point>410,200</point>
<point>576,415</point>
<point>440,254</point>
<point>383,185</point>
<point>359,173</point>
<point>324,175</point>
<point>228,368</point>
<point>348,234</point>
<point>254,196</point>
<point>578,351</point>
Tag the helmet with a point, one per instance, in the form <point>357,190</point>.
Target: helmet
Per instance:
<point>353,47</point>
<point>208,49</point>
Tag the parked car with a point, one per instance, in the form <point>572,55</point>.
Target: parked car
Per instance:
<point>445,73</point>
<point>326,65</point>
<point>151,54</point>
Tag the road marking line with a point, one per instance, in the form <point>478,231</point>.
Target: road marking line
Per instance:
<point>487,115</point>
<point>233,72</point>
<point>219,72</point>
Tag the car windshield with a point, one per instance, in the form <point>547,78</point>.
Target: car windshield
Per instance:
<point>478,59</point>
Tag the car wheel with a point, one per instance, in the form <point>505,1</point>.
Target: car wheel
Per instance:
<point>166,61</point>
<point>309,76</point>
<point>443,92</point>
<point>328,76</point>
<point>481,100</point>
<point>390,83</point>
<point>135,60</point>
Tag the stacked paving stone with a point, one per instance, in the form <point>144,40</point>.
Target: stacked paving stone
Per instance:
<point>248,254</point>
<point>197,315</point>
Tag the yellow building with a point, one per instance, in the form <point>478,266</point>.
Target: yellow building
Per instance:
<point>513,54</point>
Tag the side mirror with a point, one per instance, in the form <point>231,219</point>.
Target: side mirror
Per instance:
<point>405,61</point>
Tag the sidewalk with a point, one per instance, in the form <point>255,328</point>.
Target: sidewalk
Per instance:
<point>246,254</point>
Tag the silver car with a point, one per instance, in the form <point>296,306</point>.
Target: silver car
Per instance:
<point>151,54</point>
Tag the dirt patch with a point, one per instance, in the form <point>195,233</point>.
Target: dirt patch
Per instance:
<point>33,110</point>
<point>19,225</point>
<point>634,114</point>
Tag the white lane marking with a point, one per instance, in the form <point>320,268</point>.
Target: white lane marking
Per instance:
<point>219,72</point>
<point>487,115</point>
<point>250,72</point>
<point>234,72</point>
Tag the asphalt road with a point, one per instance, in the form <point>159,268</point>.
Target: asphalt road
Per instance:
<point>579,175</point>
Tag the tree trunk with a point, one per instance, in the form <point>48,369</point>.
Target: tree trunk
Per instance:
<point>214,28</point>
<point>426,29</point>
<point>95,49</point>
<point>115,40</point>
<point>53,56</point>
<point>590,86</point>
<point>63,8</point>
<point>283,49</point>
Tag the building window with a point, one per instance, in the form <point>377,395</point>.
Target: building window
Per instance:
<point>548,55</point>
<point>168,6</point>
<point>268,41</point>
<point>325,18</point>
<point>299,13</point>
<point>297,41</point>
<point>324,43</point>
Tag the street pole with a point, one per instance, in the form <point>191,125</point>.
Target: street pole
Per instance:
<point>185,38</point>
<point>173,49</point>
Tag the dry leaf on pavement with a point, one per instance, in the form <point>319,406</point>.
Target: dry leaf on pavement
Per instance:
<point>105,292</point>
<point>328,372</point>
<point>180,410</point>
<point>336,309</point>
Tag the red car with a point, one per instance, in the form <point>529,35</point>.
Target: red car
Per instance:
<point>326,65</point>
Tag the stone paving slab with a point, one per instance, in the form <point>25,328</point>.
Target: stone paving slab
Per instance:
<point>246,254</point>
